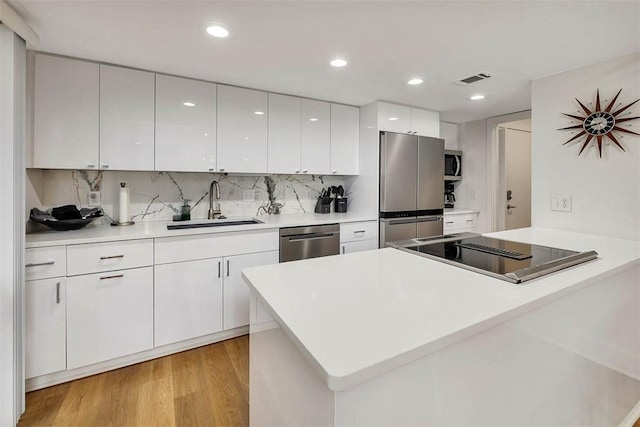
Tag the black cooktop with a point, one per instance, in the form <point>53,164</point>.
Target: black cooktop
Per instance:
<point>507,260</point>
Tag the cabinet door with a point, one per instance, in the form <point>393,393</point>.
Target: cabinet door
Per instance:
<point>236,291</point>
<point>242,130</point>
<point>188,300</point>
<point>45,333</point>
<point>345,139</point>
<point>394,117</point>
<point>65,117</point>
<point>126,118</point>
<point>425,123</point>
<point>185,125</point>
<point>316,137</point>
<point>109,315</point>
<point>358,246</point>
<point>284,134</point>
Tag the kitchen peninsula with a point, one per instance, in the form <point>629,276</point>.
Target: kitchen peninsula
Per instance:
<point>389,338</point>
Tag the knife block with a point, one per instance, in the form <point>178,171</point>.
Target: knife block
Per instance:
<point>323,205</point>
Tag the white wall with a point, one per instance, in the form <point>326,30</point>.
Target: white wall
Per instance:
<point>473,190</point>
<point>449,132</point>
<point>605,191</point>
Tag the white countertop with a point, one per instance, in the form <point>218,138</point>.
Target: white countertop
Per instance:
<point>153,229</point>
<point>370,312</point>
<point>458,211</point>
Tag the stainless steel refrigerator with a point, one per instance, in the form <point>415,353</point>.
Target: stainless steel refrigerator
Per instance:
<point>411,182</point>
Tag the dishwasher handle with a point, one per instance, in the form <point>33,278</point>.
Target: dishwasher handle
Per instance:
<point>310,236</point>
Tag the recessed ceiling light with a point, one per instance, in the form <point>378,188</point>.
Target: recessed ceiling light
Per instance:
<point>188,104</point>
<point>313,119</point>
<point>338,62</point>
<point>393,118</point>
<point>476,97</point>
<point>218,30</point>
<point>415,81</point>
<point>258,113</point>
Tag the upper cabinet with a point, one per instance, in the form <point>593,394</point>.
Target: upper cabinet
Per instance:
<point>315,142</point>
<point>93,116</point>
<point>345,137</point>
<point>403,119</point>
<point>242,130</point>
<point>126,118</point>
<point>285,115</point>
<point>66,102</point>
<point>185,125</point>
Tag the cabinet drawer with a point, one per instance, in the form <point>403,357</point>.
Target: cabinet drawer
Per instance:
<point>97,257</point>
<point>187,248</point>
<point>454,222</point>
<point>43,263</point>
<point>352,231</point>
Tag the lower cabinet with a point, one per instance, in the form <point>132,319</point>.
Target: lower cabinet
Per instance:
<point>187,300</point>
<point>45,315</point>
<point>358,246</point>
<point>109,315</point>
<point>236,291</point>
<point>196,298</point>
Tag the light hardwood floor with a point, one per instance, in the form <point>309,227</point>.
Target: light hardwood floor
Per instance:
<point>207,386</point>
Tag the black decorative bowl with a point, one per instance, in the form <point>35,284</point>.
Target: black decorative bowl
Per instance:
<point>86,216</point>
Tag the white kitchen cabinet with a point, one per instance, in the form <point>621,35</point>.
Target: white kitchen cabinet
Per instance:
<point>236,291</point>
<point>460,222</point>
<point>315,154</point>
<point>394,117</point>
<point>109,315</point>
<point>187,300</point>
<point>425,122</point>
<point>358,236</point>
<point>242,130</point>
<point>185,125</point>
<point>109,256</point>
<point>345,139</point>
<point>43,263</point>
<point>404,119</point>
<point>285,115</point>
<point>127,102</point>
<point>358,246</point>
<point>45,331</point>
<point>65,116</point>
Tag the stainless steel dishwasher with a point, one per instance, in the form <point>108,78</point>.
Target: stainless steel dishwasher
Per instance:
<point>309,242</point>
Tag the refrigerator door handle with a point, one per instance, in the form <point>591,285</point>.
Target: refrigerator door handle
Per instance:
<point>429,219</point>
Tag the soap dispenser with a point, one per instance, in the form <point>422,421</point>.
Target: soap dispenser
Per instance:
<point>185,213</point>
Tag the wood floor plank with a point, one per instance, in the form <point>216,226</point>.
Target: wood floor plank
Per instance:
<point>238,349</point>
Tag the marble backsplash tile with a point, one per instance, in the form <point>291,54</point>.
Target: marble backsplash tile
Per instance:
<point>159,195</point>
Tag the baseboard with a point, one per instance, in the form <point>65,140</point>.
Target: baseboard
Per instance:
<point>631,417</point>
<point>49,380</point>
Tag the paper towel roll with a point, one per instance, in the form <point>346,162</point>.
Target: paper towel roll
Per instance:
<point>124,215</point>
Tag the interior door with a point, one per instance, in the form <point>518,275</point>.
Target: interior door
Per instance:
<point>398,171</point>
<point>430,173</point>
<point>517,153</point>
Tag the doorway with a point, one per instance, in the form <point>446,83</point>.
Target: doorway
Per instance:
<point>513,195</point>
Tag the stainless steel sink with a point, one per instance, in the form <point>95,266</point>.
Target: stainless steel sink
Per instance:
<point>213,223</point>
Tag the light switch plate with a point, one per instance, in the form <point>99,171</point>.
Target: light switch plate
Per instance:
<point>561,202</point>
<point>94,199</point>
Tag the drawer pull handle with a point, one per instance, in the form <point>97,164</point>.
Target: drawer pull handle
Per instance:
<point>39,264</point>
<point>359,231</point>
<point>117,276</point>
<point>58,293</point>
<point>469,220</point>
<point>112,257</point>
<point>227,268</point>
<point>449,222</point>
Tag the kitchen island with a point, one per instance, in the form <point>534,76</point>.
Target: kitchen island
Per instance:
<point>389,338</point>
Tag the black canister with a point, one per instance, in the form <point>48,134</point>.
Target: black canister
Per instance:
<point>340,205</point>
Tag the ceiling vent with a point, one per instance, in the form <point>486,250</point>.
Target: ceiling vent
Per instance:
<point>472,79</point>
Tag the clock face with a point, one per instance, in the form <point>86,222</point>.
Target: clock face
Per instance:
<point>599,123</point>
<point>610,121</point>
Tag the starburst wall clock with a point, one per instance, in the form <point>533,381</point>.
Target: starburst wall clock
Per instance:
<point>601,123</point>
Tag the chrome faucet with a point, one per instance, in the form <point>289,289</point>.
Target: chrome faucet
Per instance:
<point>214,213</point>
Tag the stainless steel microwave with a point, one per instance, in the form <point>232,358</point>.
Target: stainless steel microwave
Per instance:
<point>452,165</point>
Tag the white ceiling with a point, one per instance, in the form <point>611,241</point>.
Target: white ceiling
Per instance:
<point>285,46</point>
